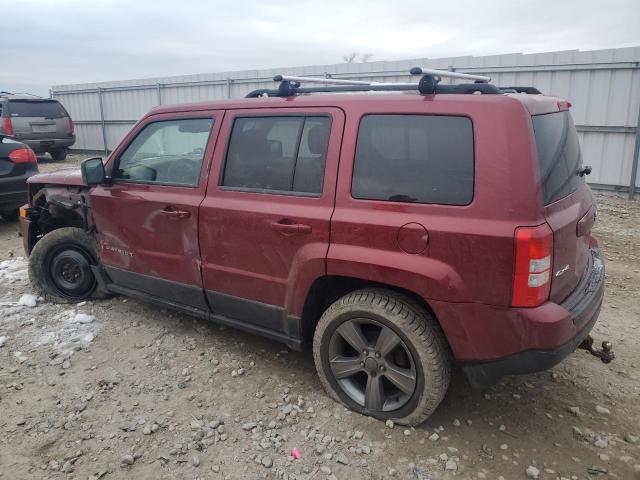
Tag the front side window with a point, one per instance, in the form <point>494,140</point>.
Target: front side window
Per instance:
<point>414,158</point>
<point>167,152</point>
<point>277,154</point>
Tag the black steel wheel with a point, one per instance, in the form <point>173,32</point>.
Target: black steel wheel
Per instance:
<point>60,265</point>
<point>382,354</point>
<point>59,154</point>
<point>69,270</point>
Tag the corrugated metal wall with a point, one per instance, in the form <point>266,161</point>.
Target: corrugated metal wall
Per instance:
<point>603,86</point>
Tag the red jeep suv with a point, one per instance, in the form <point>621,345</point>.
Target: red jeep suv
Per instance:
<point>399,229</point>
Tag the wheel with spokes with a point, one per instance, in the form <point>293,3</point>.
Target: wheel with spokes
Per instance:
<point>382,354</point>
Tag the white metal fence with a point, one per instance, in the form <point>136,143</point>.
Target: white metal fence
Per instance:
<point>602,85</point>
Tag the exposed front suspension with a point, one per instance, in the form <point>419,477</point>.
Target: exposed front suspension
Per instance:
<point>606,355</point>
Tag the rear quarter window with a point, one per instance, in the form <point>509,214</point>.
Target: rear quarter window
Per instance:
<point>559,157</point>
<point>36,108</point>
<point>414,158</point>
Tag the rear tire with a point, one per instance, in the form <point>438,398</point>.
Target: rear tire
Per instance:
<point>11,216</point>
<point>59,265</point>
<point>59,155</point>
<point>382,354</point>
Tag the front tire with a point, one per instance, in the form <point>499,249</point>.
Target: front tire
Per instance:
<point>60,265</point>
<point>59,155</point>
<point>382,354</point>
<point>11,216</point>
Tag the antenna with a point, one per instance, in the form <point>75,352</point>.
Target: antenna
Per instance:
<point>449,74</point>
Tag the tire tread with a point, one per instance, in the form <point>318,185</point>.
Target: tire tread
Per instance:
<point>412,318</point>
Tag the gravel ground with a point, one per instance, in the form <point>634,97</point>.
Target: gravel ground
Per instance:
<point>119,389</point>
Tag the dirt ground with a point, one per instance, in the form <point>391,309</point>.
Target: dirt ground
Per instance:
<point>120,389</point>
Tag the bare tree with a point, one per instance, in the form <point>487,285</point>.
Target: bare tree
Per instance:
<point>350,58</point>
<point>355,56</point>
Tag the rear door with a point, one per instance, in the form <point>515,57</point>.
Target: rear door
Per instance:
<point>147,220</point>
<point>38,119</point>
<point>264,225</point>
<point>569,204</point>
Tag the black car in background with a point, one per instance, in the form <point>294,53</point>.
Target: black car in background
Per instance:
<point>17,163</point>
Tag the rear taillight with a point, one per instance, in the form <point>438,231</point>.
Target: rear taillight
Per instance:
<point>533,260</point>
<point>72,127</point>
<point>23,155</point>
<point>7,127</point>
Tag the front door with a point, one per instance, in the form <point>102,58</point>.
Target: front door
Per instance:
<point>264,225</point>
<point>147,220</point>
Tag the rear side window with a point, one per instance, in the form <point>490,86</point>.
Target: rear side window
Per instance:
<point>278,154</point>
<point>36,108</point>
<point>559,156</point>
<point>414,158</point>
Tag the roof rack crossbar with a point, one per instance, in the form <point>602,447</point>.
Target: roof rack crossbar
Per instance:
<point>429,84</point>
<point>449,74</point>
<point>485,88</point>
<point>331,81</point>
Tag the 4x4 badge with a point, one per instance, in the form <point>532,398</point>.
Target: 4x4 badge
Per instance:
<point>562,271</point>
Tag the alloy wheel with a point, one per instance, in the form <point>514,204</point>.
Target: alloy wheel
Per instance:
<point>372,365</point>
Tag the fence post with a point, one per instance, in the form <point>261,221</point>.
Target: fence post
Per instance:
<point>228,87</point>
<point>159,93</point>
<point>102,123</point>
<point>634,166</point>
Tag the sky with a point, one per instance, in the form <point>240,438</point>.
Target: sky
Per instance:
<point>56,42</point>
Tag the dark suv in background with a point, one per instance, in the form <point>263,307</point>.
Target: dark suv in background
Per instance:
<point>42,123</point>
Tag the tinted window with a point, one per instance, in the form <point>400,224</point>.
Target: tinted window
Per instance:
<point>559,155</point>
<point>36,108</point>
<point>168,152</point>
<point>414,158</point>
<point>284,154</point>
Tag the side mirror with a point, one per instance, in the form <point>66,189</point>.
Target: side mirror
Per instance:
<point>93,171</point>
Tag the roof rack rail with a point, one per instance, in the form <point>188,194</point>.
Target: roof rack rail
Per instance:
<point>429,84</point>
<point>529,90</point>
<point>5,94</point>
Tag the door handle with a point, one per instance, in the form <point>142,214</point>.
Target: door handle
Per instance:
<point>289,227</point>
<point>174,213</point>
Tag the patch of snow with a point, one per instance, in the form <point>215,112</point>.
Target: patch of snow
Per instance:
<point>83,318</point>
<point>20,357</point>
<point>14,272</point>
<point>28,300</point>
<point>66,330</point>
<point>32,322</point>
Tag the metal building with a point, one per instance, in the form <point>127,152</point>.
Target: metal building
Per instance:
<point>602,85</point>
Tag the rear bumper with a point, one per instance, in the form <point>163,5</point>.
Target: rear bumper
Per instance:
<point>501,342</point>
<point>12,200</point>
<point>13,191</point>
<point>42,145</point>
